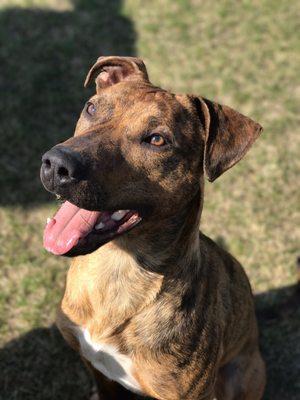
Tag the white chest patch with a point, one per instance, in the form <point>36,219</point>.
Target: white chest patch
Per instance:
<point>107,359</point>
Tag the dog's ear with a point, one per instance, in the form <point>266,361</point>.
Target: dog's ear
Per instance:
<point>108,71</point>
<point>227,136</point>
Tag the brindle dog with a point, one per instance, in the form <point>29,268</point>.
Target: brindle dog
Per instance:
<point>154,307</point>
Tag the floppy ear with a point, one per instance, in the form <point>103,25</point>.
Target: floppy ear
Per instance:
<point>108,71</point>
<point>228,135</point>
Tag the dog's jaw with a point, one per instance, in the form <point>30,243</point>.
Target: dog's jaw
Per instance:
<point>76,231</point>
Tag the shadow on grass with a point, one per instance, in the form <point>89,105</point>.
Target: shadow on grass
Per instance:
<point>278,313</point>
<point>44,57</point>
<point>40,366</point>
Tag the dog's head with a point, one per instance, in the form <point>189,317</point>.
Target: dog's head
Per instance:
<point>138,153</point>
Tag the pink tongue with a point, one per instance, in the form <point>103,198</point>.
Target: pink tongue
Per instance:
<point>69,224</point>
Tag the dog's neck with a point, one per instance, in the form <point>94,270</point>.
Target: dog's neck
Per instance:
<point>160,243</point>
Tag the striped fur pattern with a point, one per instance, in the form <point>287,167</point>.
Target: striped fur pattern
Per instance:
<point>162,311</point>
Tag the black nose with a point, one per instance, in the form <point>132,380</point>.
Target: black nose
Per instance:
<point>61,167</point>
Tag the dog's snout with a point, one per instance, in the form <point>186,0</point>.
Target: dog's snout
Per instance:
<point>61,167</point>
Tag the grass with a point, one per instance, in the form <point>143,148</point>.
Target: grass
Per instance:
<point>244,54</point>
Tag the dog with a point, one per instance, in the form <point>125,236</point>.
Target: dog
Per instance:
<point>154,307</point>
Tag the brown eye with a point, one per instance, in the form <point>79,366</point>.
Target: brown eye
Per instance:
<point>157,140</point>
<point>90,108</point>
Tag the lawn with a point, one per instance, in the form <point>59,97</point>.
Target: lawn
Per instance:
<point>245,54</point>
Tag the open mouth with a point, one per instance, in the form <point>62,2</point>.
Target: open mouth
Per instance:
<point>75,231</point>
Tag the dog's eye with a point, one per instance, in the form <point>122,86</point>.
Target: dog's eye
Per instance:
<point>156,140</point>
<point>90,108</point>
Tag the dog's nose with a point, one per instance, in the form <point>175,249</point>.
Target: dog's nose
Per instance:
<point>61,167</point>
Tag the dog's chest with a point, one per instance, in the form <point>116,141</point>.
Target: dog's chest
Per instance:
<point>108,360</point>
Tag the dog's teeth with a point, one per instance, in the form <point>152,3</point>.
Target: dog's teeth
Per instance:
<point>58,196</point>
<point>118,215</point>
<point>100,225</point>
<point>48,220</point>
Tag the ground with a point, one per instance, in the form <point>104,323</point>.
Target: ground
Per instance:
<point>244,54</point>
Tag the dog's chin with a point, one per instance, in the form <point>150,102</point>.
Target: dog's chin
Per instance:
<point>75,231</point>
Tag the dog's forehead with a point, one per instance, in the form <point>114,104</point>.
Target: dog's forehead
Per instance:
<point>131,100</point>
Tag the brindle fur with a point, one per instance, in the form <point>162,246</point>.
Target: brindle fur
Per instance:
<point>163,293</point>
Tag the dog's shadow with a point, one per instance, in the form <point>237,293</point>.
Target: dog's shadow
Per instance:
<point>44,57</point>
<point>39,365</point>
<point>278,313</point>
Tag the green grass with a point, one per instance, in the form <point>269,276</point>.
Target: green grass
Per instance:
<point>244,54</point>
